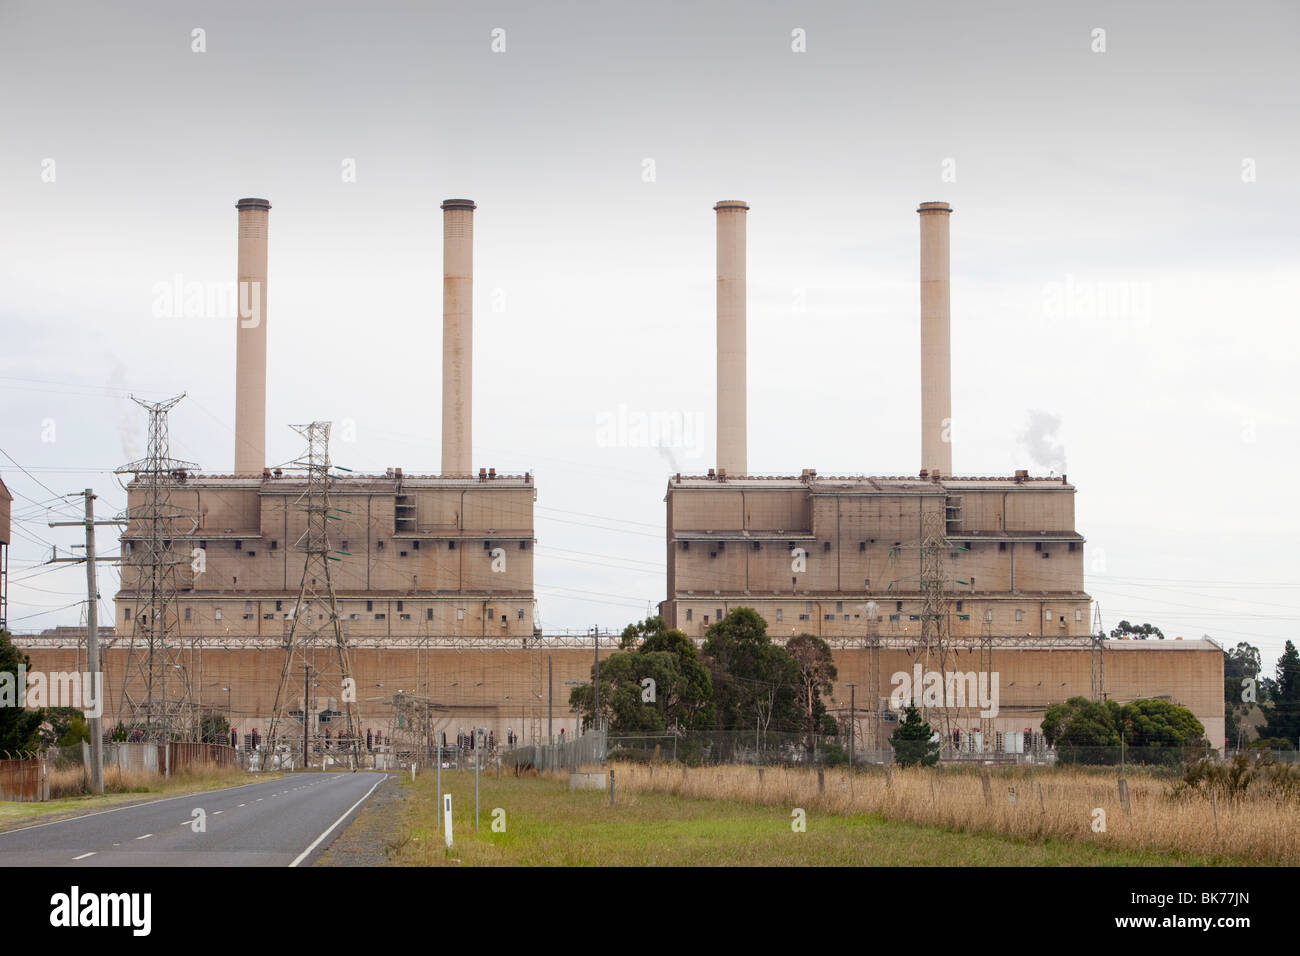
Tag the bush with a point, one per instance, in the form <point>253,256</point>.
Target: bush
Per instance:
<point>835,755</point>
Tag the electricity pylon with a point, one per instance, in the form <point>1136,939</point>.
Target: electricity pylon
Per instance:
<point>157,690</point>
<point>314,620</point>
<point>934,610</point>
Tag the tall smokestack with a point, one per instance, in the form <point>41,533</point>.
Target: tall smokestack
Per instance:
<point>457,335</point>
<point>936,351</point>
<point>250,338</point>
<point>732,446</point>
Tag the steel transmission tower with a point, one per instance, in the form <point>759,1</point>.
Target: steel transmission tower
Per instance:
<point>157,690</point>
<point>314,620</point>
<point>987,727</point>
<point>934,610</point>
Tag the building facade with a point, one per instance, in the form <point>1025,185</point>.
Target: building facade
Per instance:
<point>835,556</point>
<point>415,556</point>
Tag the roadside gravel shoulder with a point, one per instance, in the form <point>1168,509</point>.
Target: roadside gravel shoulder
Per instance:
<point>377,826</point>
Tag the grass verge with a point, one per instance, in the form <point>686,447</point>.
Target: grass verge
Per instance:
<point>540,822</point>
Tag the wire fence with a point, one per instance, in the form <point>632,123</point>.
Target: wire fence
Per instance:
<point>817,750</point>
<point>591,749</point>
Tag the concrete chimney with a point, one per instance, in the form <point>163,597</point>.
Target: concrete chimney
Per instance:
<point>457,335</point>
<point>732,447</point>
<point>936,351</point>
<point>250,338</point>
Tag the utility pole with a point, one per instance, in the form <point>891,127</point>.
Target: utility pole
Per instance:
<point>306,709</point>
<point>596,714</point>
<point>92,636</point>
<point>550,703</point>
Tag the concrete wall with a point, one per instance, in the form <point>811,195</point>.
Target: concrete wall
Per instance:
<point>1013,554</point>
<point>499,688</point>
<point>423,544</point>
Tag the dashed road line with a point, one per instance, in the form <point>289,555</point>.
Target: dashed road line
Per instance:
<point>84,855</point>
<point>145,837</point>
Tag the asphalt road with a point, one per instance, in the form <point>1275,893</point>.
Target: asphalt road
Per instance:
<point>285,822</point>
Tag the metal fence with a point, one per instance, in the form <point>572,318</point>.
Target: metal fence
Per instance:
<point>187,753</point>
<point>66,770</point>
<point>586,751</point>
<point>795,750</point>
<point>24,777</point>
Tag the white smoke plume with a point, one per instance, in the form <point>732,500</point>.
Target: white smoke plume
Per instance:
<point>130,417</point>
<point>1039,440</point>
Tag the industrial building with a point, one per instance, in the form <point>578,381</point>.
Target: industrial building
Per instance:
<point>863,561</point>
<point>433,574</point>
<point>447,555</point>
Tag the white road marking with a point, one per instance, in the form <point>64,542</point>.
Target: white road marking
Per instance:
<point>145,837</point>
<point>241,805</point>
<point>317,842</point>
<point>129,806</point>
<point>217,813</point>
<point>84,855</point>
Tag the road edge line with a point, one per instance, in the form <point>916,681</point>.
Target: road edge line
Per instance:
<point>307,852</point>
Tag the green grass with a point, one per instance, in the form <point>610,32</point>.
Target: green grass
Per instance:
<point>547,825</point>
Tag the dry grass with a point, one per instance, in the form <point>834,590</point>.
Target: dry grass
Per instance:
<point>70,781</point>
<point>1056,803</point>
<point>68,797</point>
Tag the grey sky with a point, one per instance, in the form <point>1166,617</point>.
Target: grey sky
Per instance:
<point>1111,269</point>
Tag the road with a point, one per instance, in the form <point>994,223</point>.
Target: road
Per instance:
<point>285,822</point>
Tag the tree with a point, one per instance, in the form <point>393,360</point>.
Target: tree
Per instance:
<point>655,684</point>
<point>1159,723</point>
<point>637,632</point>
<point>1283,709</point>
<point>63,727</point>
<point>214,728</point>
<point>817,673</point>
<point>688,698</point>
<point>1089,731</point>
<point>755,682</point>
<point>1241,669</point>
<point>19,727</point>
<point>913,741</point>
<point>1139,631</point>
<point>1081,730</point>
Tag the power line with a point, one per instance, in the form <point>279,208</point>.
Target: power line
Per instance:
<point>30,475</point>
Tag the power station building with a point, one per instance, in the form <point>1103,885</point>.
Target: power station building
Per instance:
<point>447,554</point>
<point>857,560</point>
<point>434,573</point>
<point>827,555</point>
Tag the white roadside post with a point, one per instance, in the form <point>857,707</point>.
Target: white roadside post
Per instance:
<point>446,816</point>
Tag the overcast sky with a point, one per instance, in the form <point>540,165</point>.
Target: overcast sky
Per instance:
<point>1124,260</point>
